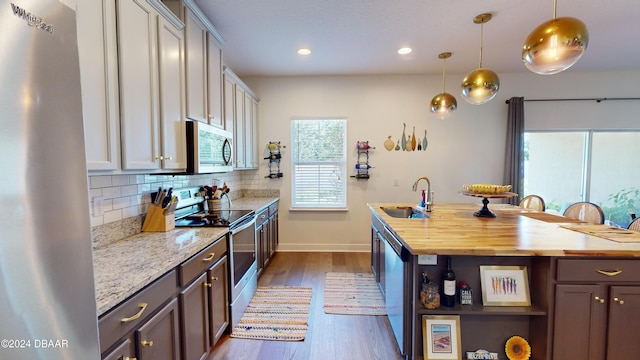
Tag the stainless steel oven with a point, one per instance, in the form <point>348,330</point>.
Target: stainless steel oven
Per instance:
<point>244,268</point>
<point>243,278</point>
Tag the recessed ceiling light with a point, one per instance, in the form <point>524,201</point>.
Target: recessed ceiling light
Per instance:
<point>404,50</point>
<point>304,51</point>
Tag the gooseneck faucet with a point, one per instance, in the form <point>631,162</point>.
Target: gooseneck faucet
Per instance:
<point>429,202</point>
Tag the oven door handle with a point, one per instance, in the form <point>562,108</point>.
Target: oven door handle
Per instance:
<point>252,222</point>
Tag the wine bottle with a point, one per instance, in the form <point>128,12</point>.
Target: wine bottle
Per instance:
<point>448,286</point>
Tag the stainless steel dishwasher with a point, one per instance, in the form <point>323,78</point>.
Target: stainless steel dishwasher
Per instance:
<point>397,301</point>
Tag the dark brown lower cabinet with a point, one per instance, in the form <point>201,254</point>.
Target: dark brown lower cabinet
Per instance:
<point>204,300</point>
<point>596,322</point>
<point>580,322</point>
<point>124,351</point>
<point>145,326</point>
<point>624,322</point>
<point>195,323</point>
<point>273,228</point>
<point>597,309</point>
<point>218,275</point>
<point>266,235</point>
<point>158,338</point>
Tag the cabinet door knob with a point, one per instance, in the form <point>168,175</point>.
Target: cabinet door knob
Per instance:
<point>128,358</point>
<point>207,284</point>
<point>160,157</point>
<point>210,257</point>
<point>147,343</point>
<point>598,298</point>
<point>143,306</point>
<point>621,302</point>
<point>168,158</point>
<point>214,278</point>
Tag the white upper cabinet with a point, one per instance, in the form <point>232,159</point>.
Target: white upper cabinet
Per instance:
<point>172,95</point>
<point>241,110</point>
<point>239,129</point>
<point>99,78</point>
<point>214,82</point>
<point>249,129</point>
<point>204,68</point>
<point>148,144</point>
<point>229,108</point>
<point>196,35</point>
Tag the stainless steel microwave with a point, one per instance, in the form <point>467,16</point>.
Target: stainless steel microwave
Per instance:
<point>209,149</point>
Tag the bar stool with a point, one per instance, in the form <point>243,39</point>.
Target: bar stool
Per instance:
<point>585,211</point>
<point>533,202</point>
<point>634,225</point>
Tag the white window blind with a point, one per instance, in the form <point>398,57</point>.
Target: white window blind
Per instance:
<point>318,161</point>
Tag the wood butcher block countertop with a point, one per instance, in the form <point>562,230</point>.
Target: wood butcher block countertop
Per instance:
<point>452,229</point>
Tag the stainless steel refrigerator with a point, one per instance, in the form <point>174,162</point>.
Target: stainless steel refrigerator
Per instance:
<point>47,294</point>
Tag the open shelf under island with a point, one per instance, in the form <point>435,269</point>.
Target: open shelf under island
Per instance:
<point>584,289</point>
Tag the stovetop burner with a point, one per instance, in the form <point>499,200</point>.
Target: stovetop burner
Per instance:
<point>219,218</point>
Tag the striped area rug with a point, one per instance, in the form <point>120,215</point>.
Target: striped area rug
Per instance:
<point>276,313</point>
<point>352,294</point>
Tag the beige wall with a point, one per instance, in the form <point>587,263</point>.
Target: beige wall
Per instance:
<point>466,148</point>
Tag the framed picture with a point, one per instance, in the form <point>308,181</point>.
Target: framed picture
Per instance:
<point>441,337</point>
<point>505,286</point>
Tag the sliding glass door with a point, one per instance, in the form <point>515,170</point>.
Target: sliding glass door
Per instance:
<point>598,166</point>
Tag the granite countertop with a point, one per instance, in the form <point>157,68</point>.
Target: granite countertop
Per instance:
<point>251,203</point>
<point>451,229</point>
<point>128,265</point>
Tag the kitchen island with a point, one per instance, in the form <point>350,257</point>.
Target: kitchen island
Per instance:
<point>584,289</point>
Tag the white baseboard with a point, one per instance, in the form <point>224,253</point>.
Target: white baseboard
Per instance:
<point>324,248</point>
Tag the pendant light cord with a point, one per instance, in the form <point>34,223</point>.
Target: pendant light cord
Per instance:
<point>555,6</point>
<point>481,38</point>
<point>444,61</point>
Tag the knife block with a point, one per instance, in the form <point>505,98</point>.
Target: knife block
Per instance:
<point>157,221</point>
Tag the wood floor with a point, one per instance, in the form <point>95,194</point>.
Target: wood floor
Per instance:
<point>329,336</point>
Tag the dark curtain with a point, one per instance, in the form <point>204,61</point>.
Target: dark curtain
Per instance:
<point>514,157</point>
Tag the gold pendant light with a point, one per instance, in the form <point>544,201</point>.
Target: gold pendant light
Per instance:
<point>443,104</point>
<point>555,45</point>
<point>482,84</point>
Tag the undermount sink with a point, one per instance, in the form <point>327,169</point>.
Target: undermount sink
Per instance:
<point>405,212</point>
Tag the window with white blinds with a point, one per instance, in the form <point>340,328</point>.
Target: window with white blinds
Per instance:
<point>319,163</point>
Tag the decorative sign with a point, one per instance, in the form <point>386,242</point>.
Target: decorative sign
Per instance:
<point>465,294</point>
<point>481,354</point>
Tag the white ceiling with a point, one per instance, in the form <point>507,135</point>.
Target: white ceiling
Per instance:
<point>362,36</point>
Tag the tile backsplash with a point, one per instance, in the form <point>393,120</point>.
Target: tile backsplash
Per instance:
<point>127,196</point>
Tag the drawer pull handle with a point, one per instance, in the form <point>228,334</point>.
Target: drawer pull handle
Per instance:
<point>618,301</point>
<point>128,358</point>
<point>211,256</point>
<point>214,278</point>
<point>599,299</point>
<point>609,273</point>
<point>207,284</point>
<point>147,343</point>
<point>143,306</point>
